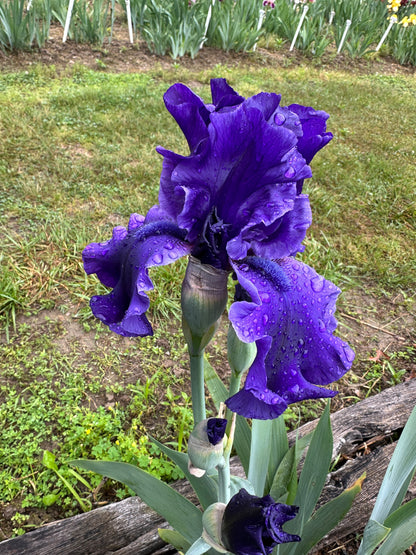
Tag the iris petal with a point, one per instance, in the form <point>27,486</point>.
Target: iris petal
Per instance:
<point>252,525</point>
<point>293,306</point>
<point>128,255</point>
<point>189,111</point>
<point>224,96</point>
<point>276,223</point>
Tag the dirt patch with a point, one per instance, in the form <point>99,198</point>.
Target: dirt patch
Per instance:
<point>121,56</point>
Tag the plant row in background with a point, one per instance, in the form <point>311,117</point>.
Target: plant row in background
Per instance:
<point>179,27</point>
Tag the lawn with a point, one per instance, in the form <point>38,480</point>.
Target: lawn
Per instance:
<point>77,156</point>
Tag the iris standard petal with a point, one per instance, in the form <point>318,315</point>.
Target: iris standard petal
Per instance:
<point>314,134</point>
<point>297,312</point>
<point>243,154</point>
<point>224,96</point>
<point>190,113</point>
<point>276,223</point>
<point>129,255</point>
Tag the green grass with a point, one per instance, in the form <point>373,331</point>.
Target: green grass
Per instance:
<point>77,156</point>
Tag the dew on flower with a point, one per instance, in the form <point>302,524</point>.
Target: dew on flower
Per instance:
<point>290,172</point>
<point>279,118</point>
<point>317,283</point>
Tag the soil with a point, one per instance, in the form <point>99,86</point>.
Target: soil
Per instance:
<point>375,327</point>
<point>121,56</point>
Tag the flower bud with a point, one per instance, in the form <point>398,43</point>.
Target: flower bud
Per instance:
<point>240,355</point>
<point>204,298</point>
<point>206,445</point>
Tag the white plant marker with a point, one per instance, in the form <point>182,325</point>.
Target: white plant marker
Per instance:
<point>208,19</point>
<point>262,13</point>
<point>393,20</point>
<point>302,17</point>
<point>129,25</point>
<point>68,19</point>
<point>331,17</point>
<point>341,44</point>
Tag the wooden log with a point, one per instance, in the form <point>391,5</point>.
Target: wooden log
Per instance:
<point>365,436</point>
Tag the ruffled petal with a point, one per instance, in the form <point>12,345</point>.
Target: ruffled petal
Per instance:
<point>243,155</point>
<point>294,306</point>
<point>123,262</point>
<point>252,525</point>
<point>277,222</point>
<point>224,96</point>
<point>190,113</point>
<point>314,136</point>
<point>256,398</point>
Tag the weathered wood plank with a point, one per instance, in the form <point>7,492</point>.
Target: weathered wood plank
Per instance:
<point>129,527</point>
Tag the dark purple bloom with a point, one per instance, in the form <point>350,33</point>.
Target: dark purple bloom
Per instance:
<point>234,203</point>
<point>253,525</point>
<point>216,429</point>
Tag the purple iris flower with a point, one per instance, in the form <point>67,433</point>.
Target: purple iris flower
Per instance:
<point>253,525</point>
<point>235,203</point>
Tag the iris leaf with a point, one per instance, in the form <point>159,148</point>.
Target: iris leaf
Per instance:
<point>174,538</point>
<point>260,453</point>
<point>204,486</point>
<point>403,530</point>
<point>278,448</point>
<point>399,473</point>
<point>327,517</point>
<point>164,500</point>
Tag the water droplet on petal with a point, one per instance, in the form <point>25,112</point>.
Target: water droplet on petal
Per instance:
<point>265,319</point>
<point>349,353</point>
<point>279,119</point>
<point>290,172</point>
<point>244,268</point>
<point>321,325</point>
<point>317,283</point>
<point>265,297</point>
<point>158,258</point>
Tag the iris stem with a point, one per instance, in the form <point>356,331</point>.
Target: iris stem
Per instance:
<point>224,489</point>
<point>235,382</point>
<point>198,387</point>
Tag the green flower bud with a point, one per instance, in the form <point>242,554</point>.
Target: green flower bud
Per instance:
<point>206,445</point>
<point>240,355</point>
<point>204,298</point>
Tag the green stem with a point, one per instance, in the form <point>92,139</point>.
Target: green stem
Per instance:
<point>198,386</point>
<point>235,382</point>
<point>224,486</point>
